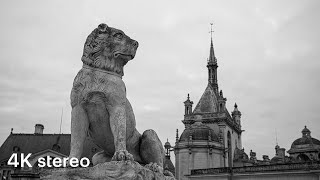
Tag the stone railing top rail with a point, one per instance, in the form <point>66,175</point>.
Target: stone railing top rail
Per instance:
<point>260,168</point>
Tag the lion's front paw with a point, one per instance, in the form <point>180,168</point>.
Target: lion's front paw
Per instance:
<point>168,173</point>
<point>122,155</point>
<point>154,167</point>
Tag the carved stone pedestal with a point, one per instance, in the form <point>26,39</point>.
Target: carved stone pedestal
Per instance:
<point>106,171</point>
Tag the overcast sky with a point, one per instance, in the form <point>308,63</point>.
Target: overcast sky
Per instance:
<point>268,56</point>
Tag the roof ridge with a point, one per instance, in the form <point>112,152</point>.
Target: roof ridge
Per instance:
<point>33,134</point>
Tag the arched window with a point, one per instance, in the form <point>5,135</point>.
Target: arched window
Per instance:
<point>303,157</point>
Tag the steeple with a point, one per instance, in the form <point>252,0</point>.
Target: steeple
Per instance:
<point>212,66</point>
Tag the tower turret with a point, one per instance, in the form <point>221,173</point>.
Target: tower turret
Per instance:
<point>236,114</point>
<point>167,146</point>
<point>167,163</point>
<point>212,69</point>
<point>188,106</point>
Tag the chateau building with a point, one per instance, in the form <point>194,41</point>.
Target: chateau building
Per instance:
<point>210,146</point>
<point>211,133</point>
<point>40,145</point>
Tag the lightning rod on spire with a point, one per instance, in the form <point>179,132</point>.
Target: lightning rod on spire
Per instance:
<point>61,121</point>
<point>211,31</point>
<point>276,136</point>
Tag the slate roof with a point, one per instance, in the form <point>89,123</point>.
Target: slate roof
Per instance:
<point>208,102</point>
<point>305,141</point>
<point>33,143</point>
<point>168,165</point>
<point>198,131</point>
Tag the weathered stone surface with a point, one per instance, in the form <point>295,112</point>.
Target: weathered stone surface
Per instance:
<point>100,107</point>
<point>115,170</point>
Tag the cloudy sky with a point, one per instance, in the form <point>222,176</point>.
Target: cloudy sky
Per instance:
<point>268,55</point>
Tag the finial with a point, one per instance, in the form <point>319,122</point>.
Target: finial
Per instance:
<point>11,130</point>
<point>61,121</point>
<point>235,105</point>
<point>305,126</point>
<point>188,96</point>
<point>211,31</point>
<point>276,136</point>
<point>167,140</point>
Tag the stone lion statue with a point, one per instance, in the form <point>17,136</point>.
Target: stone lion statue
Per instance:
<point>100,107</point>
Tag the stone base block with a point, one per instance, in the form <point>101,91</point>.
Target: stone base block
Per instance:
<point>107,171</point>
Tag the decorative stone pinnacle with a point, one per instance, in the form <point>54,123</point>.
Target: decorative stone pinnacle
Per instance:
<point>177,135</point>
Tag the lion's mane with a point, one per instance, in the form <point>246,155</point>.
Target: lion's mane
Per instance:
<point>94,54</point>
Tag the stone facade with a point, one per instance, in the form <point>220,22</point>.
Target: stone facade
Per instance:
<point>211,133</point>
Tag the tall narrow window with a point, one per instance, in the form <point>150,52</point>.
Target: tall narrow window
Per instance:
<point>229,149</point>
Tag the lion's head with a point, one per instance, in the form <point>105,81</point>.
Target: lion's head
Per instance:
<point>109,49</point>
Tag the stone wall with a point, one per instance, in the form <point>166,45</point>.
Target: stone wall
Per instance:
<point>294,171</point>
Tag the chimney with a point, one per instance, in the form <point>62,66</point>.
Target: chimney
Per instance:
<point>282,152</point>
<point>38,129</point>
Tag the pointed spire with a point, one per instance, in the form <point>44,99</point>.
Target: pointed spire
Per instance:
<point>212,58</point>
<point>212,67</point>
<point>236,110</point>
<point>235,107</point>
<point>221,93</point>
